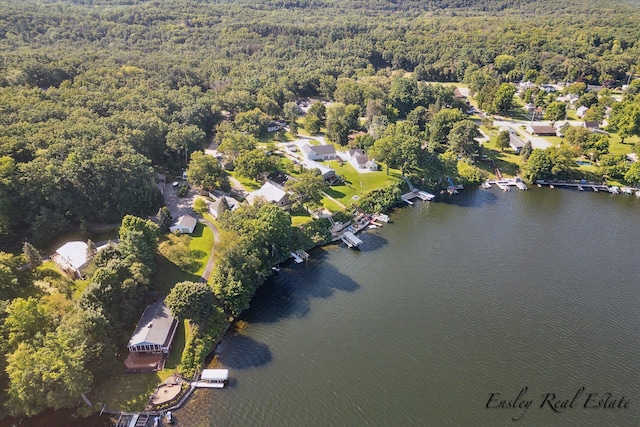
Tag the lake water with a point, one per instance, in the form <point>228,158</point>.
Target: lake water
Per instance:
<point>532,294</point>
<point>523,293</point>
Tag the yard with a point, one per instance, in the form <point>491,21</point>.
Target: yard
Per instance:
<point>182,257</point>
<point>357,184</point>
<point>131,392</point>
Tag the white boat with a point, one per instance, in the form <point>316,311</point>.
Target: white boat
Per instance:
<point>372,226</point>
<point>614,190</point>
<point>627,190</point>
<point>486,185</point>
<point>169,417</point>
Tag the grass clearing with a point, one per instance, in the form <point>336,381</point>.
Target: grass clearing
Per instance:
<point>248,184</point>
<point>356,183</point>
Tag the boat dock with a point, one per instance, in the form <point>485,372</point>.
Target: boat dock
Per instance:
<point>504,184</point>
<point>423,195</point>
<point>580,185</point>
<point>350,239</point>
<point>299,256</point>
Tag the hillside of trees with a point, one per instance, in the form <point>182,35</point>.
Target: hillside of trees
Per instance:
<point>86,83</point>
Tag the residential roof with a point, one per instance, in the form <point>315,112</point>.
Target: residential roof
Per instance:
<point>154,326</point>
<point>591,125</point>
<point>269,192</point>
<point>515,142</point>
<point>318,149</point>
<point>186,221</point>
<point>543,130</point>
<point>74,253</point>
<point>278,177</point>
<point>219,205</point>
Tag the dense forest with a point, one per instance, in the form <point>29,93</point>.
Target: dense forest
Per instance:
<point>97,97</point>
<point>85,83</point>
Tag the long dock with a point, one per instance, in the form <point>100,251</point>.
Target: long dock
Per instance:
<point>580,185</point>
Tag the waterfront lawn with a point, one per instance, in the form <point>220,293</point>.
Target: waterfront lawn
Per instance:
<point>618,147</point>
<point>300,217</point>
<point>174,261</point>
<point>358,184</point>
<point>131,392</point>
<point>507,161</point>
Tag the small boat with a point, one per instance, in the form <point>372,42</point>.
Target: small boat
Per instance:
<point>372,226</point>
<point>486,185</point>
<point>169,417</point>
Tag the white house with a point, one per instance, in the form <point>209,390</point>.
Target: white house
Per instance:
<point>185,224</point>
<point>359,160</point>
<point>71,258</point>
<point>270,193</point>
<point>319,152</point>
<point>581,111</point>
<point>275,126</point>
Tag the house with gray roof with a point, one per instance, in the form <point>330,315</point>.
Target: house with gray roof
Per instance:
<point>319,152</point>
<point>270,193</point>
<point>152,339</point>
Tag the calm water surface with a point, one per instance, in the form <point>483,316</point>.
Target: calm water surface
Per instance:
<point>483,293</point>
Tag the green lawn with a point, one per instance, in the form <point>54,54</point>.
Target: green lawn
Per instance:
<point>201,244</point>
<point>131,392</point>
<point>300,217</point>
<point>358,184</point>
<point>248,184</point>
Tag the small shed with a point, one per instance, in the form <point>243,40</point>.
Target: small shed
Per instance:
<point>185,224</point>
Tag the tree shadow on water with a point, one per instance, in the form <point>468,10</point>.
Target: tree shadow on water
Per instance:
<point>289,294</point>
<point>472,198</point>
<point>238,351</point>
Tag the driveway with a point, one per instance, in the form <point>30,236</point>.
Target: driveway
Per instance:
<point>179,205</point>
<point>536,141</point>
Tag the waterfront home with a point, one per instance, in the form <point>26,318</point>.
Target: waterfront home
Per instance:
<point>359,160</point>
<point>270,193</point>
<point>151,341</point>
